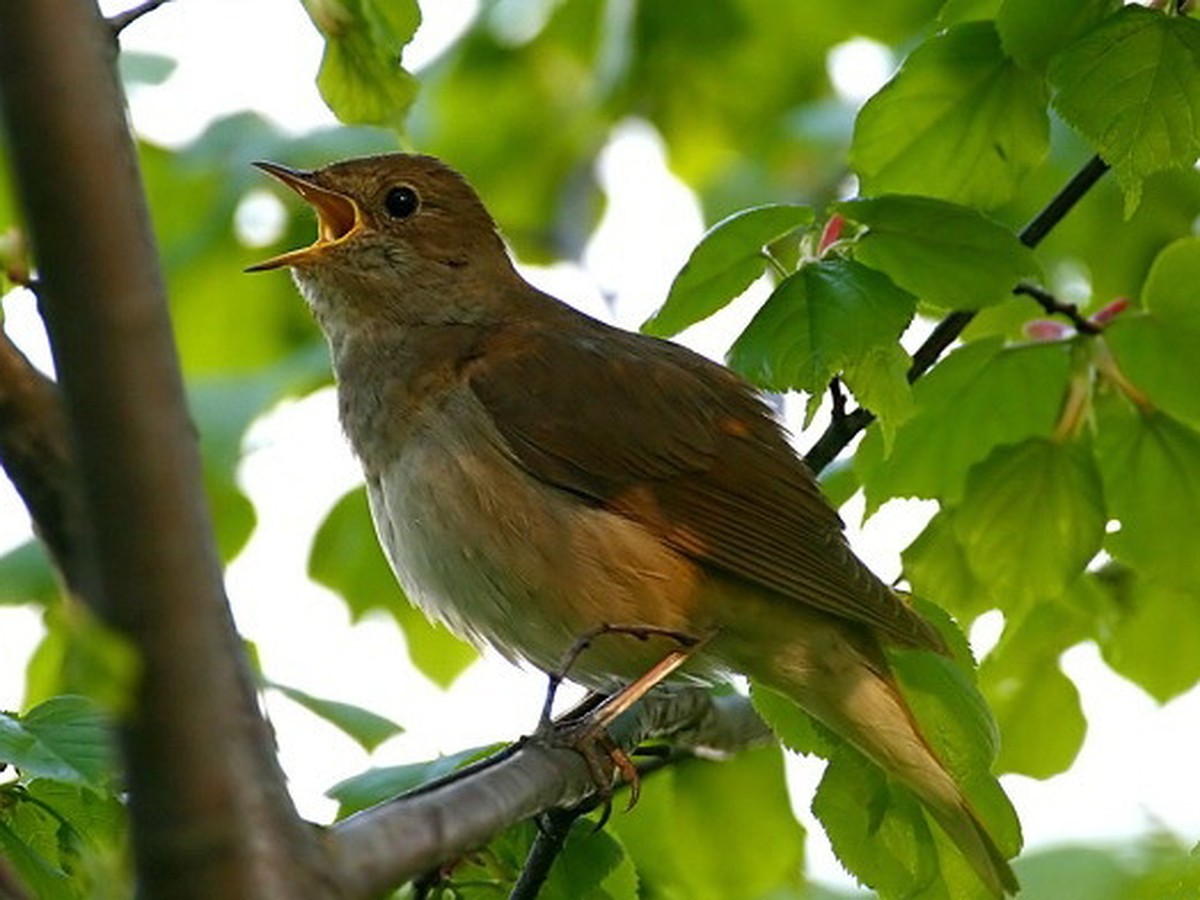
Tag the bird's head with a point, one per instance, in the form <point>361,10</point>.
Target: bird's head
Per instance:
<point>390,229</point>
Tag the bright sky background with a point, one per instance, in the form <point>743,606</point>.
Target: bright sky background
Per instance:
<point>263,55</point>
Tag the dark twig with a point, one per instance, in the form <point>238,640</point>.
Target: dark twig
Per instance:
<point>838,398</point>
<point>123,20</point>
<point>842,430</point>
<point>553,829</point>
<point>1053,306</point>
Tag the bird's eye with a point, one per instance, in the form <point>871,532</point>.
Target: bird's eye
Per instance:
<point>401,202</point>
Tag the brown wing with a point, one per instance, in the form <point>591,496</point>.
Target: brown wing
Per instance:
<point>661,435</point>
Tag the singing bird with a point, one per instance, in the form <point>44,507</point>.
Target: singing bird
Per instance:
<point>535,474</point>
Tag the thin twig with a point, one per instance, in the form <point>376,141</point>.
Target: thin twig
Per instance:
<point>122,20</point>
<point>553,829</point>
<point>841,431</point>
<point>1053,306</point>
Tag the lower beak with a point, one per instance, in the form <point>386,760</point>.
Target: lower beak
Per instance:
<point>338,216</point>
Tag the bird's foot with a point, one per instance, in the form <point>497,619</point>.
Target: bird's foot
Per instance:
<point>585,727</point>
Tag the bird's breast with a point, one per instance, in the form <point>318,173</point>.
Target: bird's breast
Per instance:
<point>503,558</point>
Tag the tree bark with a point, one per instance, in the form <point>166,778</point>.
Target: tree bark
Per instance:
<point>210,813</point>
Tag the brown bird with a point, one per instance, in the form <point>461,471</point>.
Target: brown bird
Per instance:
<point>535,474</point>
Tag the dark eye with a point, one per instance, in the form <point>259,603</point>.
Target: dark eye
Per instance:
<point>401,202</point>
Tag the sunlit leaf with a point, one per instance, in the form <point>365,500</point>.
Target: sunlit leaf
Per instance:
<point>1031,517</point>
<point>725,262</point>
<point>879,380</point>
<point>949,256</point>
<point>960,121</point>
<point>757,849</point>
<point>366,728</point>
<point>980,396</point>
<point>65,738</point>
<point>1150,464</point>
<point>1036,706</point>
<point>1157,349</point>
<point>361,79</point>
<point>1131,86</point>
<point>379,784</point>
<point>1151,632</point>
<point>1032,31</point>
<point>828,315</point>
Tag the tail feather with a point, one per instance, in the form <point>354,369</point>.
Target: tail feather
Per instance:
<point>843,680</point>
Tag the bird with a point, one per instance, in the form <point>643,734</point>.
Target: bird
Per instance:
<point>535,474</point>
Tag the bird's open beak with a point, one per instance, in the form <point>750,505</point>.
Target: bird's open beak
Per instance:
<point>338,216</point>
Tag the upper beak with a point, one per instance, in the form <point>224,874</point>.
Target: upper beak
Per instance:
<point>337,215</point>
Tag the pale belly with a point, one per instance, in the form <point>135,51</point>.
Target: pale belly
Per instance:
<point>504,559</point>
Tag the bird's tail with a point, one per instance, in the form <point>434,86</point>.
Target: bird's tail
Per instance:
<point>846,684</point>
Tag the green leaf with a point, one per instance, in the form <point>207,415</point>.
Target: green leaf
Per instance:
<point>980,396</point>
<point>1157,349</point>
<point>959,121</point>
<point>1151,632</point>
<point>1032,31</point>
<point>796,729</point>
<point>1150,464</point>
<point>947,255</point>
<point>1131,86</point>
<point>361,79</point>
<point>936,567</point>
<point>879,380</point>
<point>1031,518</point>
<point>65,738</point>
<point>378,784</point>
<point>366,728</point>
<point>26,575</point>
<point>727,260</point>
<point>877,830</point>
<point>48,880</point>
<point>757,848</point>
<point>586,867</point>
<point>828,315</point>
<point>1036,706</point>
<point>346,558</point>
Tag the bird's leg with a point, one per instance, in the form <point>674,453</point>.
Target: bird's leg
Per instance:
<point>585,728</point>
<point>577,648</point>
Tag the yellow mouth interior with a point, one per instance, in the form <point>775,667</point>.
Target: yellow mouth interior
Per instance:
<point>338,216</point>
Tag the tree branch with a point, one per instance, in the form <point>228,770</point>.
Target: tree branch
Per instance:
<point>210,813</point>
<point>122,20</point>
<point>842,430</point>
<point>396,841</point>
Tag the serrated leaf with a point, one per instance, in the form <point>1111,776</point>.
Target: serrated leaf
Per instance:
<point>1031,518</point>
<point>360,78</point>
<point>1157,349</point>
<point>50,882</point>
<point>1151,634</point>
<point>378,784</point>
<point>828,315</point>
<point>728,259</point>
<point>877,830</point>
<point>346,558</point>
<point>366,728</point>
<point>959,121</point>
<point>879,380</point>
<point>980,396</point>
<point>796,729</point>
<point>757,848</point>
<point>948,255</point>
<point>1150,464</point>
<point>1032,31</point>
<point>65,738</point>
<point>1131,86</point>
